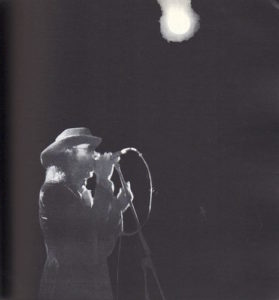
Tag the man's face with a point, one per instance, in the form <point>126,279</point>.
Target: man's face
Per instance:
<point>82,155</point>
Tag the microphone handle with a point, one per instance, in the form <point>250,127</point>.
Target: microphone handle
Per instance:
<point>122,180</point>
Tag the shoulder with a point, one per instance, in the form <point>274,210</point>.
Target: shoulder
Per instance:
<point>51,191</point>
<point>49,187</point>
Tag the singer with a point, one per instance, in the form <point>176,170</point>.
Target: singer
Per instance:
<point>79,230</point>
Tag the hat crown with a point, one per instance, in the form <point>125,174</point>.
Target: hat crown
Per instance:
<point>71,132</point>
<point>68,138</point>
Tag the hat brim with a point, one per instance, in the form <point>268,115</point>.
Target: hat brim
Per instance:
<point>58,147</point>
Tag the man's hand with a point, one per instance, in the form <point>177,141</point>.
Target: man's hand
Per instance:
<point>104,166</point>
<point>128,193</point>
<point>125,197</point>
<point>87,197</point>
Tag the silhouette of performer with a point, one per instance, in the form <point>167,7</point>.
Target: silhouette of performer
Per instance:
<point>79,231</point>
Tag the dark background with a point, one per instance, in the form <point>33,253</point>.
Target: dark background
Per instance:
<point>203,112</point>
<point>4,208</point>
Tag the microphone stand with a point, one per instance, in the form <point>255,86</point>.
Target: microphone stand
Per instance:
<point>147,262</point>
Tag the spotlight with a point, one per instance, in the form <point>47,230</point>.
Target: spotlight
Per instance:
<point>179,22</point>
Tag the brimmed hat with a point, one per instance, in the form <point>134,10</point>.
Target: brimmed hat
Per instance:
<point>68,138</point>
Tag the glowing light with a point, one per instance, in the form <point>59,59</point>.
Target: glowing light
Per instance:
<point>179,22</point>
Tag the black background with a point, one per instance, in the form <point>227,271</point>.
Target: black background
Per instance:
<point>203,112</point>
<point>4,216</point>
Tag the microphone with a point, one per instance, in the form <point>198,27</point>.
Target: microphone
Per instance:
<point>115,155</point>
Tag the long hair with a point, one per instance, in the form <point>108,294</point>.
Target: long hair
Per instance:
<point>58,170</point>
<point>55,174</point>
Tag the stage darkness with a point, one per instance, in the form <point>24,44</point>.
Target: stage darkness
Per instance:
<point>204,113</point>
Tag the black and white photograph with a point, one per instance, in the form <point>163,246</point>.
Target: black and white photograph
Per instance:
<point>139,150</point>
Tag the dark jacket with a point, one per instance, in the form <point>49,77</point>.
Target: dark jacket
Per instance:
<point>78,240</point>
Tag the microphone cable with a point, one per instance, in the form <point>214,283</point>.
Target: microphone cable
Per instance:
<point>123,233</point>
<point>151,191</point>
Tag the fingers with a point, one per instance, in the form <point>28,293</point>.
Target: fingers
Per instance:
<point>131,195</point>
<point>107,156</point>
